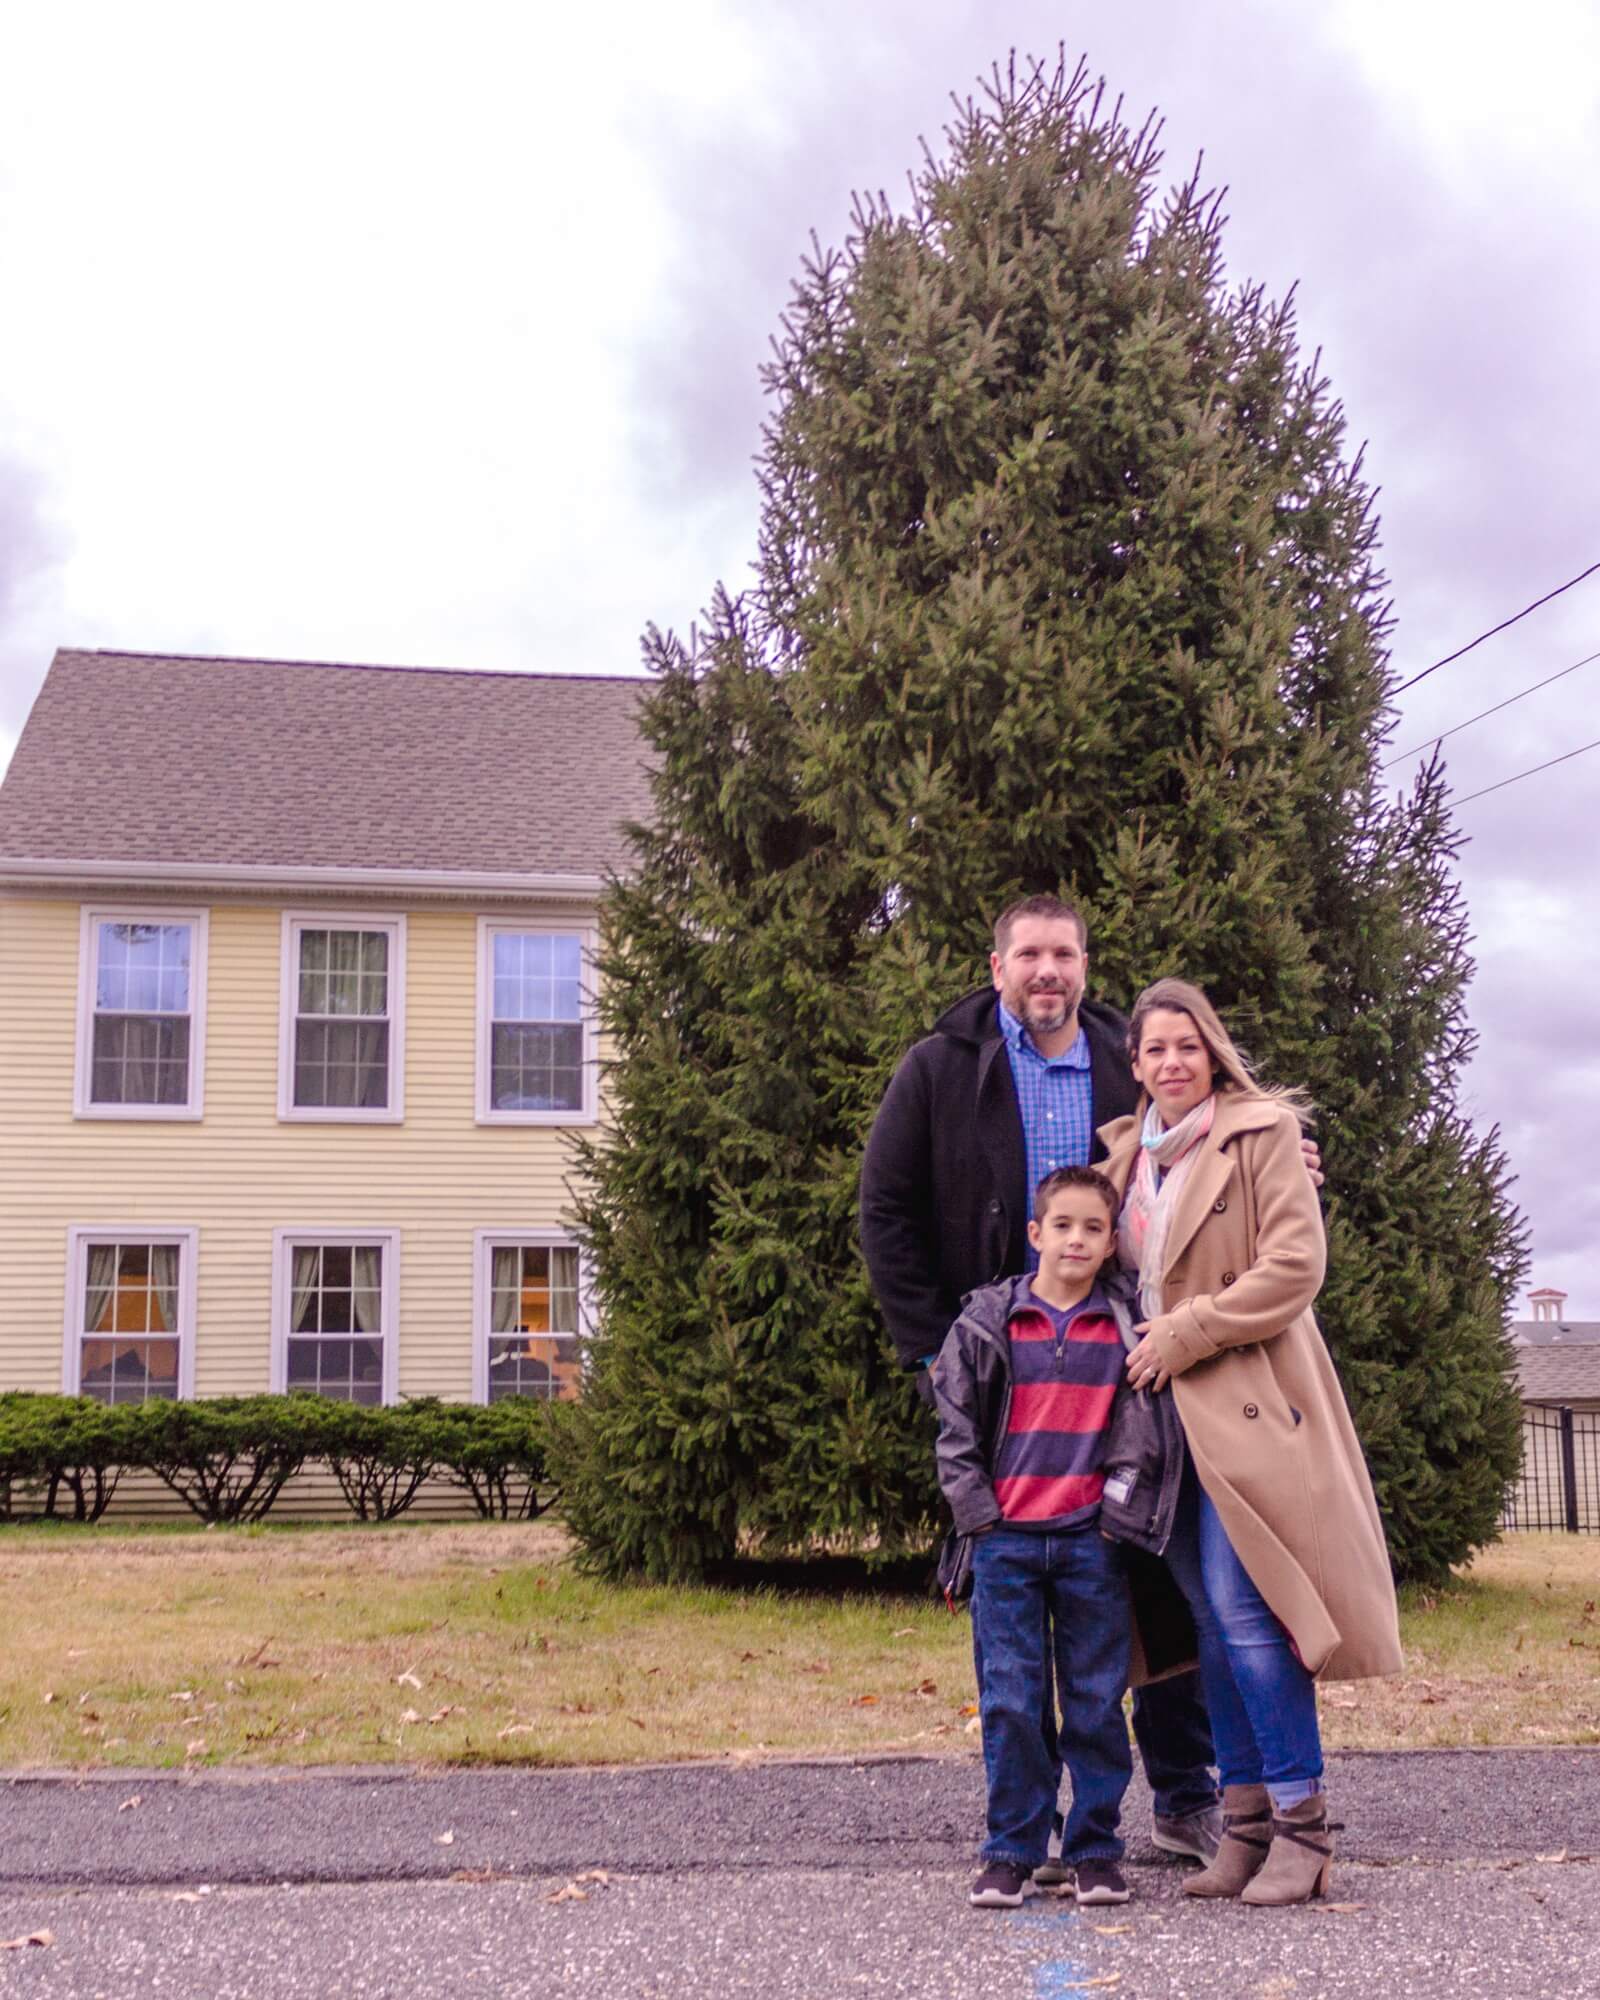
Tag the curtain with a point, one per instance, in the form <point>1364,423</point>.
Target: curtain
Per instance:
<point>164,1287</point>
<point>307,1265</point>
<point>563,1291</point>
<point>366,1261</point>
<point>101,1288</point>
<point>505,1290</point>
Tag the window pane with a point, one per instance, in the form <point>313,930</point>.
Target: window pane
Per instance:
<point>536,1367</point>
<point>129,1371</point>
<point>341,1063</point>
<point>535,1067</point>
<point>142,968</point>
<point>348,1370</point>
<point>138,1059</point>
<point>537,976</point>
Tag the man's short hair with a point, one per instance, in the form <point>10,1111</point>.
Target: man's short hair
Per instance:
<point>1052,908</point>
<point>1074,1177</point>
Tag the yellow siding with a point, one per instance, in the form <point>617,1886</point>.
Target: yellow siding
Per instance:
<point>238,1173</point>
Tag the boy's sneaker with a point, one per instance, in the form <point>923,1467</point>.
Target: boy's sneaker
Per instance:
<point>1001,1886</point>
<point>1053,1871</point>
<point>1101,1882</point>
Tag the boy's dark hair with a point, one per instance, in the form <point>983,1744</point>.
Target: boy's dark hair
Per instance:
<point>1074,1177</point>
<point>1051,907</point>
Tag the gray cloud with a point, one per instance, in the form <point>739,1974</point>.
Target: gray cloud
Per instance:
<point>31,548</point>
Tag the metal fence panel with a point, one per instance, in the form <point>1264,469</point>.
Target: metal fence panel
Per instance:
<point>1559,1486</point>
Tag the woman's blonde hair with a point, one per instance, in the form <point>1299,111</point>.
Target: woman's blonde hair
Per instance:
<point>1230,1065</point>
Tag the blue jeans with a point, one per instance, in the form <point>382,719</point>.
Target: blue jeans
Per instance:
<point>1070,1586</point>
<point>1263,1703</point>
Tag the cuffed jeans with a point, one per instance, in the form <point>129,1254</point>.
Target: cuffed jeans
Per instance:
<point>1071,1587</point>
<point>1262,1701</point>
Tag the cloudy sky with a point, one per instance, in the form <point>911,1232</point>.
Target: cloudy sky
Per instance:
<point>430,336</point>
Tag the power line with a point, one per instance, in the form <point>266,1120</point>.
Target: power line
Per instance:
<point>1457,728</point>
<point>1504,622</point>
<point>1595,745</point>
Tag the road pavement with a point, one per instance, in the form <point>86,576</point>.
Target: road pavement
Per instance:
<point>1461,1874</point>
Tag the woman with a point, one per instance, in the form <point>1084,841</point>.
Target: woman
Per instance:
<point>1276,1542</point>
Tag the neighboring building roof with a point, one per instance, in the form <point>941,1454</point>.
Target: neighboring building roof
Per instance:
<point>1555,1332</point>
<point>1559,1374</point>
<point>278,764</point>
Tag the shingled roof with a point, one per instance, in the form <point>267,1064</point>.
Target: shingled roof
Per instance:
<point>260,764</point>
<point>1559,1374</point>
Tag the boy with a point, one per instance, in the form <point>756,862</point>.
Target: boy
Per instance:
<point>1025,1383</point>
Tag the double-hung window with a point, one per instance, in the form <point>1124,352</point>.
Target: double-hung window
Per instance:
<point>130,1314</point>
<point>535,1025</point>
<point>341,1055</point>
<point>529,1316</point>
<point>141,1014</point>
<point>334,1331</point>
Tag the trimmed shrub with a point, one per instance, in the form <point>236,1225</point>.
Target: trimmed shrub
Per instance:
<point>498,1452</point>
<point>229,1458</point>
<point>61,1456</point>
<point>380,1457</point>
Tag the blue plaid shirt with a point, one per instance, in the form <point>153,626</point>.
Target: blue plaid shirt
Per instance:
<point>1057,1103</point>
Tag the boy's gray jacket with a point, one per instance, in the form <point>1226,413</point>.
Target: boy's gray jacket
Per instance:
<point>1144,1455</point>
<point>972,1391</point>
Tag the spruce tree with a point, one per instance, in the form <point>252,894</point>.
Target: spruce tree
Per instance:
<point>1066,583</point>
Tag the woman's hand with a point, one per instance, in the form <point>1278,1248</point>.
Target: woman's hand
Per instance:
<point>1145,1370</point>
<point>1313,1159</point>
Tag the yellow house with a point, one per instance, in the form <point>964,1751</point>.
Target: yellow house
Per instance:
<point>296,1014</point>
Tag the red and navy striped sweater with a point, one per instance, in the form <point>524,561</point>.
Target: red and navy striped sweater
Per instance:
<point>1065,1367</point>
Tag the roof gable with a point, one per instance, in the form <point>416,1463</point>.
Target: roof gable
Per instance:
<point>140,758</point>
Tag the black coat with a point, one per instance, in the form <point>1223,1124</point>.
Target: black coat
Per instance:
<point>944,1186</point>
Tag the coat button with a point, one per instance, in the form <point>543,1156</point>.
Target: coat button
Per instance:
<point>1227,1277</point>
<point>994,1208</point>
<point>1250,1410</point>
<point>1218,1206</point>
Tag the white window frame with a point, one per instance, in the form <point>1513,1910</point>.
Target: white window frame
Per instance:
<point>284,1244</point>
<point>489,928</point>
<point>294,922</point>
<point>81,1237</point>
<point>485,1242</point>
<point>91,917</point>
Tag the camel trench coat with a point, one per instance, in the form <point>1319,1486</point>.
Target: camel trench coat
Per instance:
<point>1265,1418</point>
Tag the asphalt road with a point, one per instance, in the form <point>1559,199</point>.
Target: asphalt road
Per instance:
<point>1461,1874</point>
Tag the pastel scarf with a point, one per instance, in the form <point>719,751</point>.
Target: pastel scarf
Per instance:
<point>1148,1209</point>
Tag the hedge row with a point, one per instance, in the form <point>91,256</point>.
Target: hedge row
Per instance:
<point>229,1458</point>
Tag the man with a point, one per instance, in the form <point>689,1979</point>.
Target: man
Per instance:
<point>1011,1085</point>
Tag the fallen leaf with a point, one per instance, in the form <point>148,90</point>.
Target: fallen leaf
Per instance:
<point>1111,1930</point>
<point>904,1632</point>
<point>1339,1701</point>
<point>1083,1985</point>
<point>129,1804</point>
<point>49,1695</point>
<point>516,1729</point>
<point>408,1679</point>
<point>194,1747</point>
<point>181,1694</point>
<point>473,1875</point>
<point>864,1701</point>
<point>1338,1909</point>
<point>410,1715</point>
<point>185,1896</point>
<point>817,1667</point>
<point>21,1943</point>
<point>575,1708</point>
<point>569,1892</point>
<point>967,1708</point>
<point>439,1714</point>
<point>600,1875</point>
<point>1559,1855</point>
<point>636,1722</point>
<point>446,1839</point>
<point>974,1725</point>
<point>742,1656</point>
<point>926,1687</point>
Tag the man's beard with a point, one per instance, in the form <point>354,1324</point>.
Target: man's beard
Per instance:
<point>1044,1009</point>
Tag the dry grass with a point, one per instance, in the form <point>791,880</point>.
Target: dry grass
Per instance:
<point>449,1644</point>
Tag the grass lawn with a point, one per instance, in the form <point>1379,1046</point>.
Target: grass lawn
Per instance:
<point>459,1644</point>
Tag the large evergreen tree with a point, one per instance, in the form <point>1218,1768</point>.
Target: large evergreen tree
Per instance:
<point>1066,583</point>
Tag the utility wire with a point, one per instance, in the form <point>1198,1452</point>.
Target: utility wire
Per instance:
<point>1504,622</point>
<point>1456,729</point>
<point>1595,745</point>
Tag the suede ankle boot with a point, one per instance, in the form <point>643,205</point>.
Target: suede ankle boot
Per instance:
<point>1301,1860</point>
<point>1246,1837</point>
